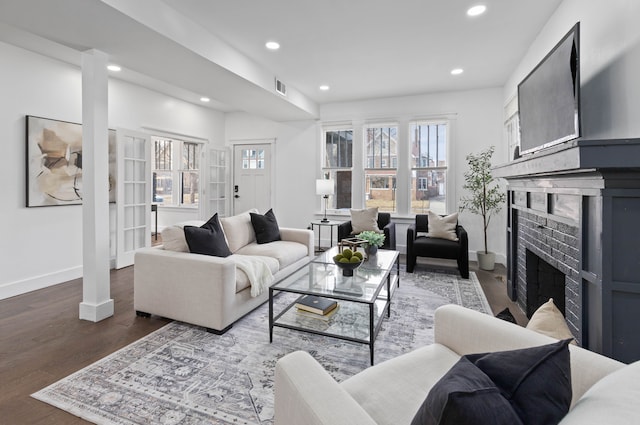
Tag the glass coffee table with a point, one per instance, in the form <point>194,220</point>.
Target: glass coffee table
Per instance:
<point>362,298</point>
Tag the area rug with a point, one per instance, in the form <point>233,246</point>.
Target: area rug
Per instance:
<point>181,374</point>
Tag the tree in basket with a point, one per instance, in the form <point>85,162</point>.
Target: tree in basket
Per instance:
<point>486,198</point>
<point>374,240</point>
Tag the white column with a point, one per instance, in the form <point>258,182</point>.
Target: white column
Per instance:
<point>96,304</point>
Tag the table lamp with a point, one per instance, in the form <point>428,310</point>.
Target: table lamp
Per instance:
<point>324,188</point>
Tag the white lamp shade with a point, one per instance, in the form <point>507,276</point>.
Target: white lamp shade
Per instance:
<point>324,187</point>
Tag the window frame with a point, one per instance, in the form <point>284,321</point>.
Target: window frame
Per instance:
<point>429,169</point>
<point>384,151</point>
<point>328,171</point>
<point>177,169</point>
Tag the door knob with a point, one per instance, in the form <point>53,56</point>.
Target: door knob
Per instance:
<point>236,196</point>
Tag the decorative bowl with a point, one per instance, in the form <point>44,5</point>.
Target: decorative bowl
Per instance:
<point>347,267</point>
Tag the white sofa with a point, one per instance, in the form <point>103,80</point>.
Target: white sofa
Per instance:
<point>211,291</point>
<point>605,391</point>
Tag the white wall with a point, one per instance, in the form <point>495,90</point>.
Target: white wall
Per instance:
<point>43,246</point>
<point>609,63</point>
<point>295,161</point>
<point>478,125</point>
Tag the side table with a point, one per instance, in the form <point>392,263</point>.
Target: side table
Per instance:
<point>331,224</point>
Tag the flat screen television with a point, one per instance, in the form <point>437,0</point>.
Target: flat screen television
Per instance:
<point>549,97</point>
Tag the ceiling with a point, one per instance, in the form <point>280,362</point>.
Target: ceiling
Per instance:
<point>362,49</point>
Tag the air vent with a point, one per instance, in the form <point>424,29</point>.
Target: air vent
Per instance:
<point>281,88</point>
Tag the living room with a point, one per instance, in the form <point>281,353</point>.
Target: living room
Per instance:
<point>43,246</point>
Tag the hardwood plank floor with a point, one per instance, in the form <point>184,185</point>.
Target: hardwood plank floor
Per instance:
<point>42,340</point>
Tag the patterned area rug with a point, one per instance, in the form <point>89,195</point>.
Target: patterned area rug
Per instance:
<point>181,374</point>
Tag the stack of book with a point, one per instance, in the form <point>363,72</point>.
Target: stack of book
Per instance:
<point>316,306</point>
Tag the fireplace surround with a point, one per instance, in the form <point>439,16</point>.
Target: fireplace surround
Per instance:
<point>576,207</point>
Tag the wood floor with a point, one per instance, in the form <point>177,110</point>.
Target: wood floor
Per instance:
<point>42,340</point>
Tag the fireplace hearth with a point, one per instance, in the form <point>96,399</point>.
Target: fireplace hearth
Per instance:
<point>572,219</point>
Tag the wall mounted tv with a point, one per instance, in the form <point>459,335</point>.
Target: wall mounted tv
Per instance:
<point>549,97</point>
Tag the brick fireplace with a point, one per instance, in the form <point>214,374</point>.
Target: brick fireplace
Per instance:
<point>573,234</point>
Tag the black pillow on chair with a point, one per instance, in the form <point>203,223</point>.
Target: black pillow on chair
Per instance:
<point>207,239</point>
<point>266,227</point>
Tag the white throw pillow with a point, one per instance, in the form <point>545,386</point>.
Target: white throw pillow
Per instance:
<point>548,320</point>
<point>173,236</point>
<point>362,220</point>
<point>238,230</point>
<point>443,227</point>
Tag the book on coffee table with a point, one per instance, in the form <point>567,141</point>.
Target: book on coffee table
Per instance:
<point>325,317</point>
<point>317,305</point>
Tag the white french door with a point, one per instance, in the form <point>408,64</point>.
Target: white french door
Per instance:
<point>252,164</point>
<point>133,206</point>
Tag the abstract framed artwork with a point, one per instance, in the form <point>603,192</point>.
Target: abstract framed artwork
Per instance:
<point>54,162</point>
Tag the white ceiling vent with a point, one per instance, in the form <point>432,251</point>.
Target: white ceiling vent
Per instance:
<point>281,88</point>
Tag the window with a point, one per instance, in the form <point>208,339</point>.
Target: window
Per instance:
<point>176,172</point>
<point>338,160</point>
<point>428,167</point>
<point>253,159</point>
<point>381,148</point>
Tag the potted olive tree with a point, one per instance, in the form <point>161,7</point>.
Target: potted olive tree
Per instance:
<point>485,198</point>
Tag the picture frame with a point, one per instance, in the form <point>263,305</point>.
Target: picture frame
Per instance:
<point>54,162</point>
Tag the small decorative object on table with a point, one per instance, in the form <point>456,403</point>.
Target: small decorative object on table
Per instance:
<point>373,241</point>
<point>351,243</point>
<point>348,261</point>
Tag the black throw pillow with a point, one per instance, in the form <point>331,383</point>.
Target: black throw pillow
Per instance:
<point>506,315</point>
<point>537,380</point>
<point>266,227</point>
<point>208,239</point>
<point>465,396</point>
<point>535,384</point>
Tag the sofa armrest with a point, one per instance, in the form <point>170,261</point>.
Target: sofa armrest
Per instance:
<point>303,236</point>
<point>306,394</point>
<point>189,287</point>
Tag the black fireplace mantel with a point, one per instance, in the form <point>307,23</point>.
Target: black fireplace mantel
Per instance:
<point>592,187</point>
<point>576,156</point>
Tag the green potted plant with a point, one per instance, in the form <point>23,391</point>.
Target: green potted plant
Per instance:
<point>374,240</point>
<point>485,199</point>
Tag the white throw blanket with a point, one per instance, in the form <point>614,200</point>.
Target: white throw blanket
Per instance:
<point>257,270</point>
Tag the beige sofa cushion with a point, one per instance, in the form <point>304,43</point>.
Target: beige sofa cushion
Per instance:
<point>612,400</point>
<point>238,230</point>
<point>393,391</point>
<point>286,252</point>
<point>173,236</point>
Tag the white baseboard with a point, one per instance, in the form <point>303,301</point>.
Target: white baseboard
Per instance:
<point>19,287</point>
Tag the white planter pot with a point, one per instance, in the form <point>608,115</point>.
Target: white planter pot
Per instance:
<point>486,260</point>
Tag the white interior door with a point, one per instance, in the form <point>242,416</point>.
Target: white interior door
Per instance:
<point>133,196</point>
<point>252,177</point>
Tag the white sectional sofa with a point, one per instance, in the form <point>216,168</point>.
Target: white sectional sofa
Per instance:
<point>605,391</point>
<point>210,291</point>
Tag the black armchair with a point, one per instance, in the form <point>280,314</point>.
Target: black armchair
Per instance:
<point>424,246</point>
<point>384,223</point>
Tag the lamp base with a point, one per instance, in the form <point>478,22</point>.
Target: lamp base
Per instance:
<point>324,220</point>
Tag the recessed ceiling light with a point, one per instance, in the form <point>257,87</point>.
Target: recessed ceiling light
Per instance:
<point>272,45</point>
<point>457,71</point>
<point>324,87</point>
<point>114,68</point>
<point>204,99</point>
<point>477,10</point>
